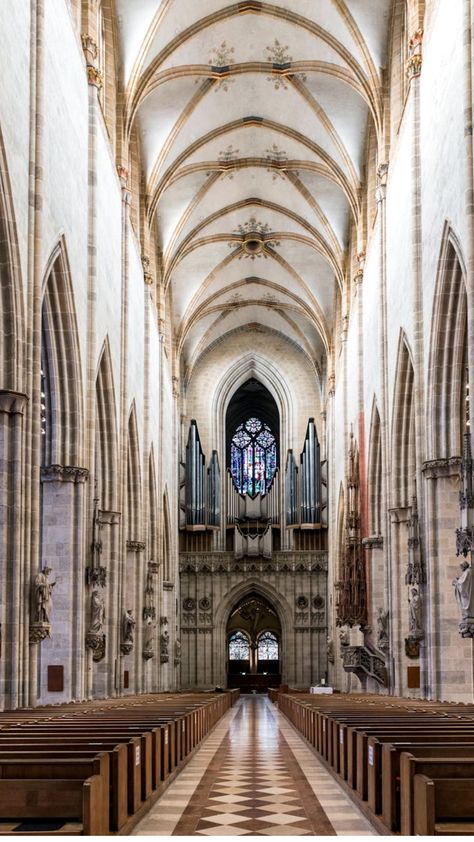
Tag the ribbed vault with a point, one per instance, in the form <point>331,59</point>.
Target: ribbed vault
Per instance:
<point>253,120</point>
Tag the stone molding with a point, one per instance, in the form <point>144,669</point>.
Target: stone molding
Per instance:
<point>373,542</point>
<point>108,518</point>
<point>168,586</point>
<point>415,57</point>
<point>63,473</point>
<point>136,546</point>
<point>282,562</point>
<point>12,403</point>
<point>436,468</point>
<point>400,514</point>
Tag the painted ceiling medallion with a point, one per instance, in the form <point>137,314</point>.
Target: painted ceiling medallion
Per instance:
<point>255,239</point>
<point>228,156</point>
<point>278,56</point>
<point>276,157</point>
<point>221,60</point>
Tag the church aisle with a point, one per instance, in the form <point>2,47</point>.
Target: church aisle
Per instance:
<point>254,776</point>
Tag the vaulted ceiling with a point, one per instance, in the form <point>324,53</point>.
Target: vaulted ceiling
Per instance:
<point>253,120</point>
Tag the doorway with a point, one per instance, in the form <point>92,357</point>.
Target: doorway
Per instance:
<point>253,645</point>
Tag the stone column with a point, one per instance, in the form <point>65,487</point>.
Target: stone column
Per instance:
<point>12,628</point>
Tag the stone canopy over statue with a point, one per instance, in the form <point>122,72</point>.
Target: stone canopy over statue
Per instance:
<point>464,593</point>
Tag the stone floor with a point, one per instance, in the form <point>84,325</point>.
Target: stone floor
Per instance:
<point>254,776</point>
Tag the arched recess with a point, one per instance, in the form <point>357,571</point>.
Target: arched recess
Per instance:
<point>134,495</point>
<point>375,474</point>
<point>166,546</point>
<point>63,491</point>
<point>62,417</point>
<point>152,536</point>
<point>227,604</point>
<point>447,377</point>
<point>403,429</point>
<point>11,301</point>
<point>105,469</point>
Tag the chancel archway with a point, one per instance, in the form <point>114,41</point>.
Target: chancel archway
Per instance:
<point>253,644</point>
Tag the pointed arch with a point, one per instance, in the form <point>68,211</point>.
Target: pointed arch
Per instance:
<point>134,495</point>
<point>375,473</point>
<point>106,432</point>
<point>152,537</point>
<point>166,539</point>
<point>403,428</point>
<point>11,300</point>
<point>448,353</point>
<point>62,425</point>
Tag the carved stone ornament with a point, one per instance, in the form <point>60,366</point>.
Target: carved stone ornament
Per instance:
<point>464,541</point>
<point>96,642</point>
<point>63,473</point>
<point>128,625</point>
<point>415,58</point>
<point>148,639</point>
<point>330,650</point>
<point>177,652</point>
<point>39,632</point>
<point>42,596</point>
<point>302,602</point>
<point>189,604</point>
<point>96,576</point>
<point>94,76</point>
<point>318,602</point>
<point>412,647</point>
<point>164,644</point>
<point>205,604</point>
<point>383,642</point>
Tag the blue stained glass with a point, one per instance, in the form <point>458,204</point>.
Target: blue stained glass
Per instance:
<point>253,457</point>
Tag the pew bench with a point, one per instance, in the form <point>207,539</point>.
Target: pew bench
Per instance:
<point>443,806</point>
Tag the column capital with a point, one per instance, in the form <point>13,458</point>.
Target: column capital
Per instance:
<point>63,473</point>
<point>12,403</point>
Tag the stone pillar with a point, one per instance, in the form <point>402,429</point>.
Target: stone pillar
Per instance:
<point>12,628</point>
<point>62,549</point>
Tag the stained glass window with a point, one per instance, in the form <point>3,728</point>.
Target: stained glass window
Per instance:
<point>239,647</point>
<point>268,647</point>
<point>253,457</point>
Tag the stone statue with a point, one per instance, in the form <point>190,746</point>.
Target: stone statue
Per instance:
<point>164,643</point>
<point>128,624</point>
<point>148,637</point>
<point>344,637</point>
<point>383,642</point>
<point>43,596</point>
<point>330,649</point>
<point>416,614</point>
<point>177,651</point>
<point>97,613</point>
<point>464,593</point>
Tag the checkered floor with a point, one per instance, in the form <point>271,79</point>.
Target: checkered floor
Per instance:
<point>258,778</point>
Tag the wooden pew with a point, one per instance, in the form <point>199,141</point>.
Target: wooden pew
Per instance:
<point>443,806</point>
<point>40,788</point>
<point>432,767</point>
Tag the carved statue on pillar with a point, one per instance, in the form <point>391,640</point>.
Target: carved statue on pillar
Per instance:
<point>352,586</point>
<point>383,642</point>
<point>164,644</point>
<point>128,625</point>
<point>464,593</point>
<point>43,603</point>
<point>177,652</point>
<point>95,637</point>
<point>330,649</point>
<point>412,642</point>
<point>148,638</point>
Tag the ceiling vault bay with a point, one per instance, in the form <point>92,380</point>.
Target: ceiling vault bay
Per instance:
<point>253,121</point>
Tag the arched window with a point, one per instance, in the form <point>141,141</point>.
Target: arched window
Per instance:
<point>253,457</point>
<point>239,647</point>
<point>268,647</point>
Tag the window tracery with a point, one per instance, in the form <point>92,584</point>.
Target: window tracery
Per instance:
<point>239,647</point>
<point>268,647</point>
<point>253,457</point>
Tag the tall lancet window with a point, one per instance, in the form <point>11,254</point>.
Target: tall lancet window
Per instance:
<point>253,457</point>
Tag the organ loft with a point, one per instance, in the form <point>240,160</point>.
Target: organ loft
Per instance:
<point>236,355</point>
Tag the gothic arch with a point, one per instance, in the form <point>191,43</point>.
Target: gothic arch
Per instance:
<point>260,588</point>
<point>403,428</point>
<point>134,495</point>
<point>251,365</point>
<point>448,352</point>
<point>152,537</point>
<point>60,361</point>
<point>166,538</point>
<point>374,474</point>
<point>11,302</point>
<point>106,432</point>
